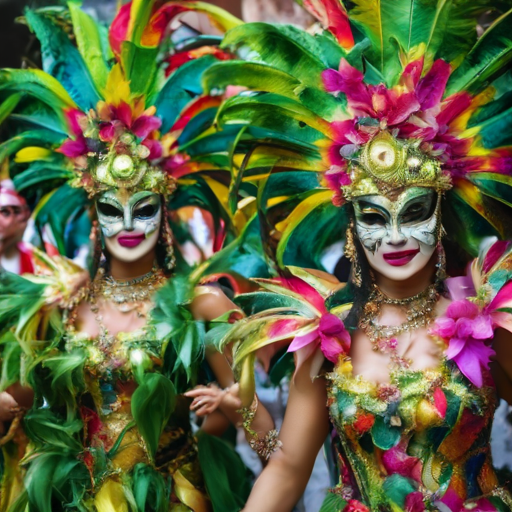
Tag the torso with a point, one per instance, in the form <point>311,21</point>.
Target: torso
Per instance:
<point>417,438</point>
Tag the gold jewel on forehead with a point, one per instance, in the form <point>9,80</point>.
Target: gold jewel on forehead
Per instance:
<point>387,164</point>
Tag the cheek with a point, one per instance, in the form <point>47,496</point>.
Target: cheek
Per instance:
<point>111,228</point>
<point>149,226</point>
<point>370,237</point>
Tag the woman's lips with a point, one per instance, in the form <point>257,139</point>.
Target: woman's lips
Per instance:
<point>131,241</point>
<point>398,259</point>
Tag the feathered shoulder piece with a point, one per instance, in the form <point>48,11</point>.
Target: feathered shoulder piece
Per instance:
<point>481,303</point>
<point>30,305</point>
<point>288,315</point>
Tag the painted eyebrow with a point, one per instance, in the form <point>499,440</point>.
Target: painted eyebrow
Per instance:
<point>363,205</point>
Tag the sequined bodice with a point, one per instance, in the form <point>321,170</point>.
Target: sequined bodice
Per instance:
<point>418,443</point>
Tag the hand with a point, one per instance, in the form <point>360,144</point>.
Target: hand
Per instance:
<point>8,406</point>
<point>209,398</point>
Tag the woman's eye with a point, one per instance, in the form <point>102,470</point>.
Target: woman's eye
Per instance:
<point>414,214</point>
<point>146,211</point>
<point>109,210</point>
<point>373,219</point>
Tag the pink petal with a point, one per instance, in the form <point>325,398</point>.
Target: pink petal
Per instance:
<point>503,320</point>
<point>74,117</point>
<point>337,177</point>
<point>119,29</point>
<point>503,298</point>
<point>397,461</point>
<point>493,254</point>
<point>144,125</point>
<point>472,358</point>
<point>482,328</point>
<point>299,342</point>
<point>406,105</point>
<point>444,327</point>
<point>455,346</point>
<point>464,328</point>
<point>107,132</point>
<point>462,309</point>
<point>412,74</point>
<point>307,292</point>
<point>452,107</point>
<point>431,88</point>
<point>74,148</point>
<point>155,149</point>
<point>282,327</point>
<point>414,502</point>
<point>460,288</point>
<point>331,348</point>
<point>124,114</point>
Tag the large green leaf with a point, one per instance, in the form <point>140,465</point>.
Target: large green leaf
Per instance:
<point>282,47</point>
<point>150,490</point>
<point>152,405</point>
<point>63,61</point>
<point>180,89</point>
<point>89,43</point>
<point>487,60</point>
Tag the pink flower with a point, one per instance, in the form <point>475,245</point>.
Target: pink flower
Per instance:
<point>330,335</point>
<point>414,502</point>
<point>355,506</point>
<point>467,329</point>
<point>397,461</point>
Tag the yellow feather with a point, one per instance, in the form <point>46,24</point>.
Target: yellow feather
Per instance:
<point>118,88</point>
<point>30,154</point>
<point>111,498</point>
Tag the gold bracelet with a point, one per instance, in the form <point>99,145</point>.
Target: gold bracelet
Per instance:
<point>265,446</point>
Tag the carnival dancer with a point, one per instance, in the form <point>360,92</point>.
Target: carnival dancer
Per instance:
<point>109,358</point>
<point>393,124</point>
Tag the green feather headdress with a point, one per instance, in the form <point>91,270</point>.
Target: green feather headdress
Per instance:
<point>114,108</point>
<point>411,70</point>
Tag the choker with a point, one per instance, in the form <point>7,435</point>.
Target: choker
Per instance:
<point>419,310</point>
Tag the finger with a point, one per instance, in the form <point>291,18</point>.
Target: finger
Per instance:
<point>194,393</point>
<point>205,410</point>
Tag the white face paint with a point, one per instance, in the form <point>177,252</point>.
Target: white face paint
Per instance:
<point>130,224</point>
<point>398,237</point>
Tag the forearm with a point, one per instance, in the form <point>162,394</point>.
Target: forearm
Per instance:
<point>279,487</point>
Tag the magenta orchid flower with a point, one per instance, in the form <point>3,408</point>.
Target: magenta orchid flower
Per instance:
<point>330,334</point>
<point>468,331</point>
<point>74,148</point>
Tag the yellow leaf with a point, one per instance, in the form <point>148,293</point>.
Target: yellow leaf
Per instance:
<point>31,154</point>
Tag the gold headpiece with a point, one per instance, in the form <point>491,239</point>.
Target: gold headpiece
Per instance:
<point>387,164</point>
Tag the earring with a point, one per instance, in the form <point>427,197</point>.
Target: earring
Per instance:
<point>441,264</point>
<point>167,241</point>
<point>351,254</point>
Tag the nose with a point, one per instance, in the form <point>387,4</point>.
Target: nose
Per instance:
<point>395,236</point>
<point>128,221</point>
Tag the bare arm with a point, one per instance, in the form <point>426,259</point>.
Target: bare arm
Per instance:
<point>305,427</point>
<point>211,303</point>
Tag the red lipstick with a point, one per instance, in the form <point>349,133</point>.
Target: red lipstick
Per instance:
<point>399,259</point>
<point>131,241</point>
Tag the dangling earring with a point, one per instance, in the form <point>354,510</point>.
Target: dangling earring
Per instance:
<point>167,239</point>
<point>351,254</point>
<point>441,264</point>
<point>95,238</point>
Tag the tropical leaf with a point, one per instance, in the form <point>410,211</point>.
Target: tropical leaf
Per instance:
<point>63,61</point>
<point>285,48</point>
<point>179,90</point>
<point>8,106</point>
<point>39,84</point>
<point>486,61</point>
<point>30,138</point>
<point>152,405</point>
<point>89,41</point>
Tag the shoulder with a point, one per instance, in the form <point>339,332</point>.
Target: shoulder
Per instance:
<point>210,302</point>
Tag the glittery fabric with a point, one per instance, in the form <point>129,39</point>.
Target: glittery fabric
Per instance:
<point>421,442</point>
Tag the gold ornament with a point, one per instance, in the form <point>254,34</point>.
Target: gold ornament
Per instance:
<point>387,164</point>
<point>351,254</point>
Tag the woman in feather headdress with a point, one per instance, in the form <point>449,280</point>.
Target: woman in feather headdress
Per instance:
<point>393,124</point>
<point>102,130</point>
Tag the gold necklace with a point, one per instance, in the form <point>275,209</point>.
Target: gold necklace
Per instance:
<point>419,310</point>
<point>127,295</point>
